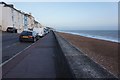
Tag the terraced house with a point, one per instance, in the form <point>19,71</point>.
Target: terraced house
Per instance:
<point>11,17</point>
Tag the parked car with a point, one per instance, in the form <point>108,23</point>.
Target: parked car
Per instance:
<point>40,31</point>
<point>12,29</point>
<point>28,36</point>
<point>46,31</point>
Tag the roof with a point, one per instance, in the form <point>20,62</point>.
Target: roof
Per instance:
<point>11,6</point>
<point>36,21</point>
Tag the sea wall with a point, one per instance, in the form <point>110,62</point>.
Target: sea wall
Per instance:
<point>81,65</point>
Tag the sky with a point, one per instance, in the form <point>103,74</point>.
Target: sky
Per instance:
<point>73,15</point>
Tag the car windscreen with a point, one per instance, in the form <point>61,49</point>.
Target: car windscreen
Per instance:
<point>26,33</point>
<point>10,28</point>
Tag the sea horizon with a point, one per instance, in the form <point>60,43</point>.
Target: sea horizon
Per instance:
<point>108,35</point>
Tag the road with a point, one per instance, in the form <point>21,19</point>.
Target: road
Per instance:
<point>44,59</point>
<point>11,45</point>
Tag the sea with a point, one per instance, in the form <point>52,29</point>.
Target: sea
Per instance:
<point>109,35</point>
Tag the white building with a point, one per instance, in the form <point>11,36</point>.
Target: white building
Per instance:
<point>30,21</point>
<point>9,16</point>
<point>6,16</point>
<point>18,20</point>
<point>37,24</point>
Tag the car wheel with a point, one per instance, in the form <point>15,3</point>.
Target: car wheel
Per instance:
<point>15,31</point>
<point>38,37</point>
<point>34,39</point>
<point>20,40</point>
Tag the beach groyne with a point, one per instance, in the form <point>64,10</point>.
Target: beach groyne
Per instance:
<point>81,65</point>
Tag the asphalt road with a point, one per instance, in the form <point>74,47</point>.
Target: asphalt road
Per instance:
<point>44,59</point>
<point>11,45</point>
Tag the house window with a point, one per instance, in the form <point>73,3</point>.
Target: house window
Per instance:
<point>25,22</point>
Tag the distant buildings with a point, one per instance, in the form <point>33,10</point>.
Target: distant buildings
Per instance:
<point>11,17</point>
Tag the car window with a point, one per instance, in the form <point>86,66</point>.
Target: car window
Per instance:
<point>10,28</point>
<point>34,33</point>
<point>26,33</point>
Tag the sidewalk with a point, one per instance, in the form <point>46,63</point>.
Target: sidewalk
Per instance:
<point>40,61</point>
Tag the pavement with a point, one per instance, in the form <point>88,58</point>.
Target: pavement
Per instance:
<point>44,59</point>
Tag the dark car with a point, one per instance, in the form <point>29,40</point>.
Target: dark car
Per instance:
<point>28,36</point>
<point>12,29</point>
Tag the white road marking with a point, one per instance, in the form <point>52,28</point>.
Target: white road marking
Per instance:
<point>15,55</point>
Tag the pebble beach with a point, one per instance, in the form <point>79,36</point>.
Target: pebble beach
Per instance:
<point>103,52</point>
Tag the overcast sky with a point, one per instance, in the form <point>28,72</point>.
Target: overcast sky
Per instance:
<point>73,15</point>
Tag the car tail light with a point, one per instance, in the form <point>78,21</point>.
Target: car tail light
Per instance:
<point>30,36</point>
